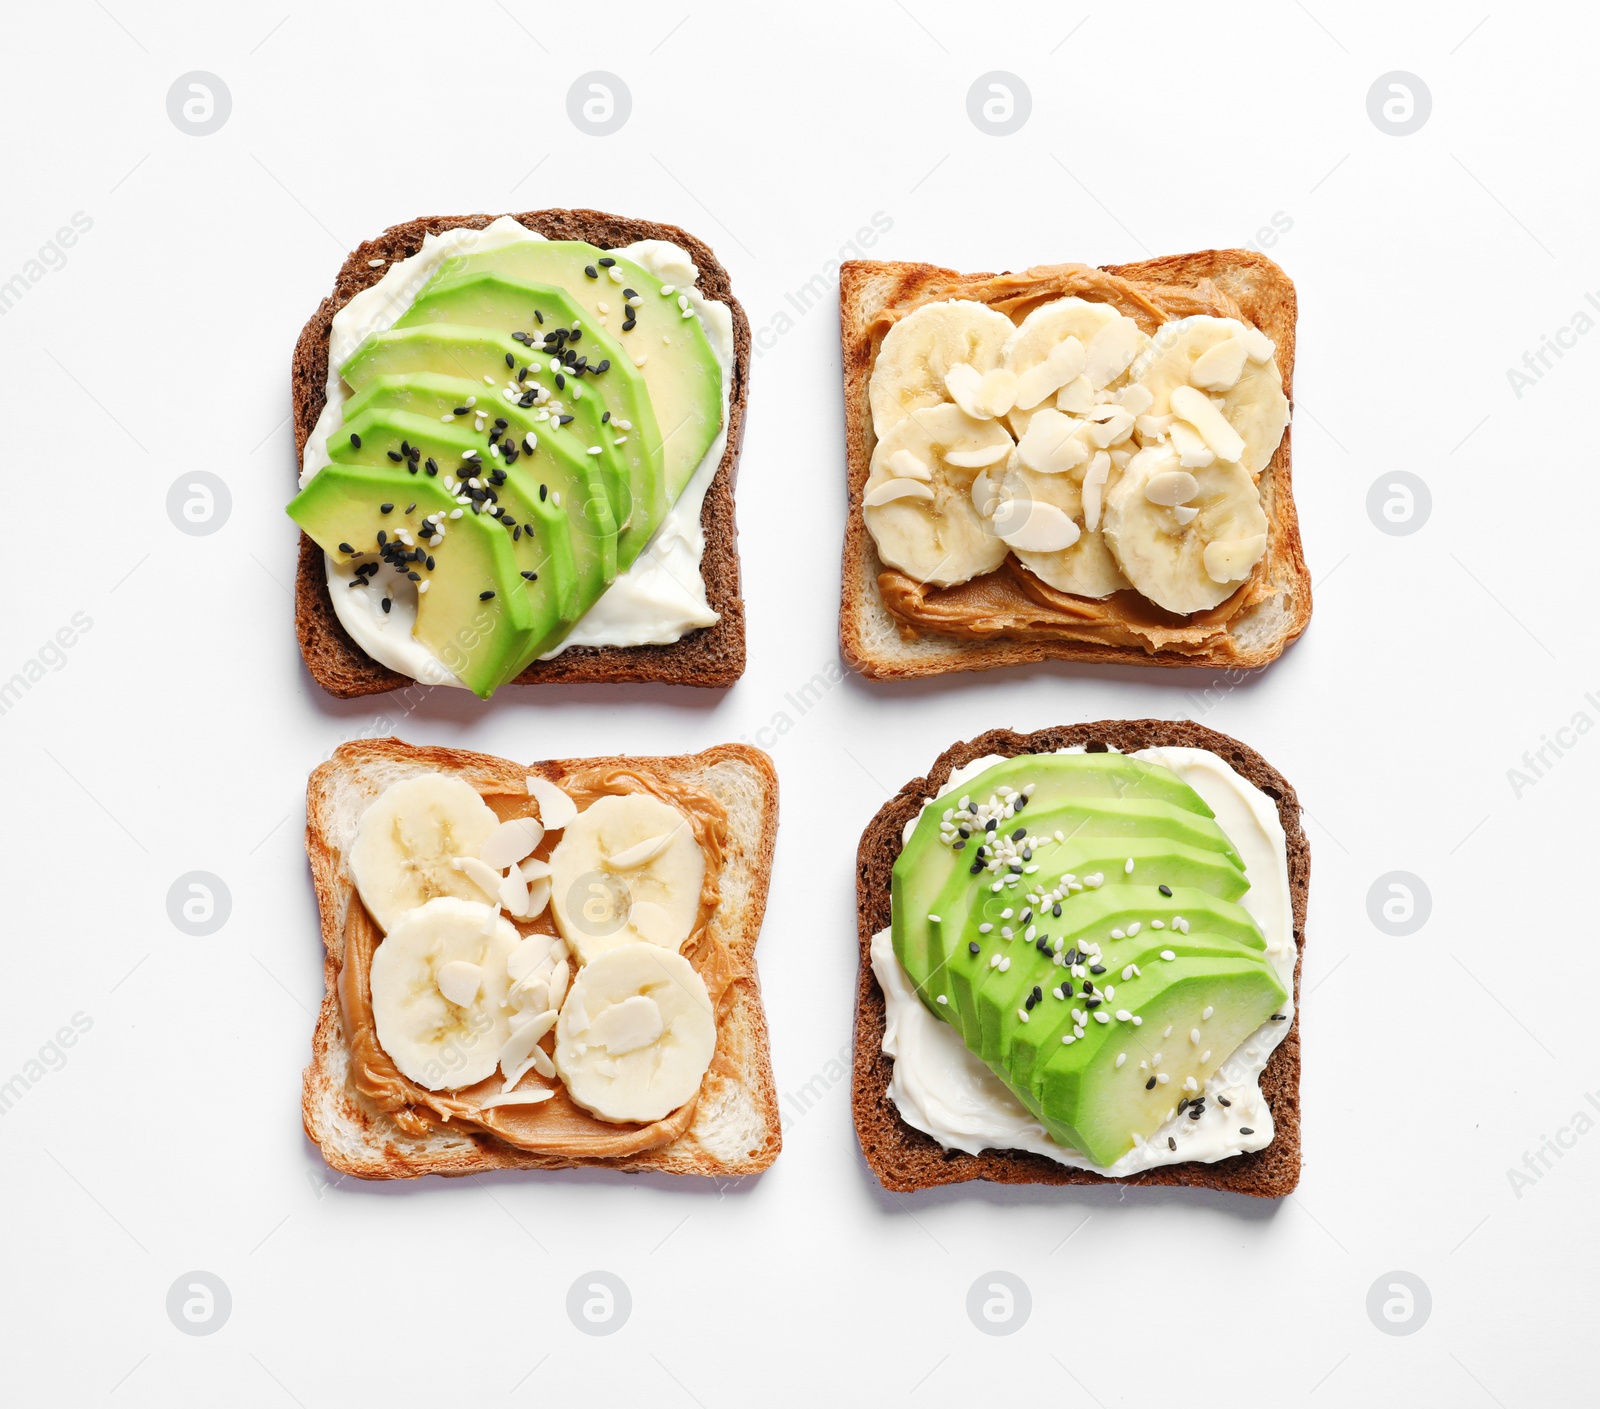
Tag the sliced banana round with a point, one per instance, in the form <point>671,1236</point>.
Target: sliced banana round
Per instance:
<point>1191,361</point>
<point>1047,365</point>
<point>934,534</point>
<point>439,987</point>
<point>1190,556</point>
<point>409,839</point>
<point>1084,566</point>
<point>636,1034</point>
<point>918,352</point>
<point>628,870</point>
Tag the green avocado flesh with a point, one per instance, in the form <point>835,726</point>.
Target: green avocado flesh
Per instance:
<point>573,473</point>
<point>1071,923</point>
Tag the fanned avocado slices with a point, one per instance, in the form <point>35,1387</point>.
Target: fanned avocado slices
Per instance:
<point>1075,918</point>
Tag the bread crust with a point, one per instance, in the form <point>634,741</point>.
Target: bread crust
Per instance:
<point>713,656</point>
<point>357,1138</point>
<point>870,637</point>
<point>905,1159</point>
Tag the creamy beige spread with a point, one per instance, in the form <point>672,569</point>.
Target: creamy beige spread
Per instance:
<point>556,1126</point>
<point>1012,602</point>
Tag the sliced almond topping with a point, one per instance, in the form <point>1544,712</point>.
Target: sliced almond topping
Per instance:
<point>642,853</point>
<point>1185,515</point>
<point>1195,407</point>
<point>1117,427</point>
<point>1219,368</point>
<point>534,870</point>
<point>1193,453</point>
<point>486,878</point>
<point>538,898</point>
<point>1171,487</point>
<point>459,982</point>
<point>985,495</point>
<point>556,809</point>
<point>558,983</point>
<point>1111,350</point>
<point>510,842</point>
<point>1153,427</point>
<point>978,459</point>
<point>514,894</point>
<point>527,957</point>
<point>542,1063</point>
<point>998,391</point>
<point>1065,362</point>
<point>964,382</point>
<point>892,489</point>
<point>1033,527</point>
<point>1136,399</point>
<point>1051,444</point>
<point>907,464</point>
<point>1094,486</point>
<point>1257,345</point>
<point>1231,561</point>
<point>1076,397</point>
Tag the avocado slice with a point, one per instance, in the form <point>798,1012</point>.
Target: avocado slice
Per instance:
<point>681,371</point>
<point>1088,1103</point>
<point>541,541</point>
<point>475,616</point>
<point>593,379</point>
<point>585,485</point>
<point>1115,864</point>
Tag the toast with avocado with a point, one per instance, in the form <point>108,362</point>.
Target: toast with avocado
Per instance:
<point>540,967</point>
<point>518,438</point>
<point>1080,963</point>
<point>1069,463</point>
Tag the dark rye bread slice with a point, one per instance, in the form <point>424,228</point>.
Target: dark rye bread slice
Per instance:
<point>874,641</point>
<point>905,1159</point>
<point>713,656</point>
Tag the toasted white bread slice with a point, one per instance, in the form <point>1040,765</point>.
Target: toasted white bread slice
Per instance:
<point>735,1130</point>
<point>874,641</point>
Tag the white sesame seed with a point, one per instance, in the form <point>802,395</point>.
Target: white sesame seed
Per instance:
<point>1123,1015</point>
<point>1004,965</point>
<point>488,380</point>
<point>985,927</point>
<point>1190,1084</point>
<point>1162,1077</point>
<point>422,586</point>
<point>1138,1021</point>
<point>994,961</point>
<point>1156,925</point>
<point>1209,1010</point>
<point>933,919</point>
<point>594,450</point>
<point>1119,934</point>
<point>1007,913</point>
<point>1068,1040</point>
<point>1100,1017</point>
<point>667,291</point>
<point>1128,867</point>
<point>1031,933</point>
<point>456,513</point>
<point>1005,931</point>
<point>1121,1058</point>
<point>1194,1036</point>
<point>447,418</point>
<point>1127,973</point>
<point>1168,1031</point>
<point>1023,1014</point>
<point>1168,954</point>
<point>1133,929</point>
<point>941,999</point>
<point>1205,1056</point>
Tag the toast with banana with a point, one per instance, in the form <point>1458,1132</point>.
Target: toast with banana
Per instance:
<point>1069,463</point>
<point>540,967</point>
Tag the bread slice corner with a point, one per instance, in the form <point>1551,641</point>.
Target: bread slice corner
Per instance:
<point>736,1129</point>
<point>874,642</point>
<point>712,657</point>
<point>905,1159</point>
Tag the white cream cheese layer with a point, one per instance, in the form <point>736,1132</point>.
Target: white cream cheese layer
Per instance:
<point>662,595</point>
<point>941,1088</point>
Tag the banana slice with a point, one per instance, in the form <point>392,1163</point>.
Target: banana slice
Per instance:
<point>1201,357</point>
<point>409,838</point>
<point>636,1033</point>
<point>439,987</point>
<point>1039,352</point>
<point>940,539</point>
<point>1181,561</point>
<point>1083,567</point>
<point>622,853</point>
<point>918,352</point>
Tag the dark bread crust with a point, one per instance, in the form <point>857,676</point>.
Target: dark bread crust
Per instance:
<point>1265,295</point>
<point>905,1159</point>
<point>713,656</point>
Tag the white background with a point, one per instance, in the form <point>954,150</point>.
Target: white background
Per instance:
<point>178,731</point>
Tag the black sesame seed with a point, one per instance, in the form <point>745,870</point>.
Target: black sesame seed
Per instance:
<point>630,293</point>
<point>564,420</point>
<point>431,465</point>
<point>1165,890</point>
<point>590,270</point>
<point>1182,1104</point>
<point>1038,992</point>
<point>606,263</point>
<point>1171,1143</point>
<point>1195,1112</point>
<point>973,947</point>
<point>385,508</point>
<point>604,417</point>
<point>575,335</point>
<point>538,317</point>
<point>1246,1130</point>
<point>958,846</point>
<point>1088,985</point>
<point>355,440</point>
<point>411,508</point>
<point>415,576</point>
<point>1043,945</point>
<point>1223,1101</point>
<point>1280,1017</point>
<point>1092,1003</point>
<point>1029,1002</point>
<point>975,867</point>
<point>1150,1085</point>
<point>396,456</point>
<point>346,548</point>
<point>544,490</point>
<point>461,411</point>
<point>387,604</point>
<point>1019,834</point>
<point>1097,968</point>
<point>561,382</point>
<point>484,596</point>
<point>605,365</point>
<point>1056,909</point>
<point>1066,988</point>
<point>989,825</point>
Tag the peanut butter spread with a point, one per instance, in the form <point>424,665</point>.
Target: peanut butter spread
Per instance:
<point>556,1126</point>
<point>1010,601</point>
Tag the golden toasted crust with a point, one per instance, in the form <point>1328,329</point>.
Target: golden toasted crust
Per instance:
<point>905,1159</point>
<point>871,638</point>
<point>736,1125</point>
<point>713,656</point>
